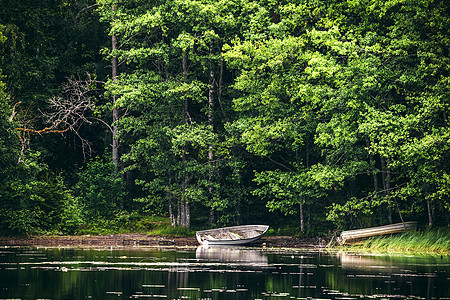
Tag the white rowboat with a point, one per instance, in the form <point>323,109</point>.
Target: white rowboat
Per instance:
<point>351,235</point>
<point>234,235</point>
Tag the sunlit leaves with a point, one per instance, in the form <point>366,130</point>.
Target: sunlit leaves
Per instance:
<point>327,99</point>
<point>194,136</point>
<point>372,76</point>
<point>282,189</point>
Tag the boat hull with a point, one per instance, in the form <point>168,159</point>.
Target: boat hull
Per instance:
<point>355,235</point>
<point>229,236</point>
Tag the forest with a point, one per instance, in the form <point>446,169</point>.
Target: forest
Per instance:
<point>314,115</point>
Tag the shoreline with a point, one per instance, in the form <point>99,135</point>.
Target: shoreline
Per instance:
<point>137,239</point>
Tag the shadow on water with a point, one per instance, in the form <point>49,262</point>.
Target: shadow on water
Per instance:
<point>217,273</point>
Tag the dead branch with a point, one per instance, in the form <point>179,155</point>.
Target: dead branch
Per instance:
<point>65,113</point>
<point>86,8</point>
<point>14,112</point>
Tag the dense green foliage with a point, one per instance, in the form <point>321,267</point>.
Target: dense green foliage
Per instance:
<point>315,115</point>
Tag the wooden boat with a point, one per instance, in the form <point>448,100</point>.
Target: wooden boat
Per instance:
<point>234,235</point>
<point>353,235</point>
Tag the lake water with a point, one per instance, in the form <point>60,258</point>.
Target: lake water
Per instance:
<point>217,273</point>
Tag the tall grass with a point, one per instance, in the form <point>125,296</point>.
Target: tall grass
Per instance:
<point>429,241</point>
<point>168,230</point>
<point>132,223</point>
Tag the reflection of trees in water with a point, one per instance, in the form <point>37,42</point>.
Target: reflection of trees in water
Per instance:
<point>359,275</point>
<point>177,276</point>
<point>383,275</point>
<point>221,272</point>
<point>364,262</point>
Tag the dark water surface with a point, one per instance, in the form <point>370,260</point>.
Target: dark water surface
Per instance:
<point>217,273</point>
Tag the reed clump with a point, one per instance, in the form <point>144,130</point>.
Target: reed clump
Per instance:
<point>428,241</point>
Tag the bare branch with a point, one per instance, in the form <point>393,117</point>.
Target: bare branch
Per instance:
<point>102,121</point>
<point>14,112</point>
<point>280,164</point>
<point>66,113</point>
<point>86,8</point>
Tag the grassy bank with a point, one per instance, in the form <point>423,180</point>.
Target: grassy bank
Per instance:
<point>133,223</point>
<point>436,241</point>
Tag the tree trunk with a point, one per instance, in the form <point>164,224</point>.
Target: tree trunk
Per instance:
<point>388,189</point>
<point>210,147</point>
<point>170,199</point>
<point>187,212</point>
<point>302,221</point>
<point>179,213</point>
<point>220,86</point>
<point>212,217</point>
<point>374,178</point>
<point>115,112</point>
<point>171,216</point>
<point>374,170</point>
<point>308,226</point>
<point>386,175</point>
<point>430,214</point>
<point>238,207</point>
<point>184,212</point>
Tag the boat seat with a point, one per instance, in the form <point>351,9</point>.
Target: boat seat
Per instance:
<point>235,236</point>
<point>209,237</point>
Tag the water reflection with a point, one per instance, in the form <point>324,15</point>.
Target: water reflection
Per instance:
<point>217,273</point>
<point>390,276</point>
<point>358,261</point>
<point>229,254</point>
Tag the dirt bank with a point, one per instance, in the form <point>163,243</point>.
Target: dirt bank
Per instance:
<point>135,239</point>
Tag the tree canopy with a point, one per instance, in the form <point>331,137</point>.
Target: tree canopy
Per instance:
<point>320,115</point>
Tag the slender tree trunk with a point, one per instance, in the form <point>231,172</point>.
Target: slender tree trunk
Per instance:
<point>169,199</point>
<point>302,221</point>
<point>238,207</point>
<point>308,225</point>
<point>374,170</point>
<point>386,175</point>
<point>115,146</point>
<point>388,188</point>
<point>171,216</point>
<point>185,70</point>
<point>374,177</point>
<point>210,147</point>
<point>375,183</point>
<point>115,112</point>
<point>220,86</point>
<point>184,213</point>
<point>187,210</point>
<point>430,214</point>
<point>307,159</point>
<point>181,213</point>
<point>164,63</point>
<point>212,217</point>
